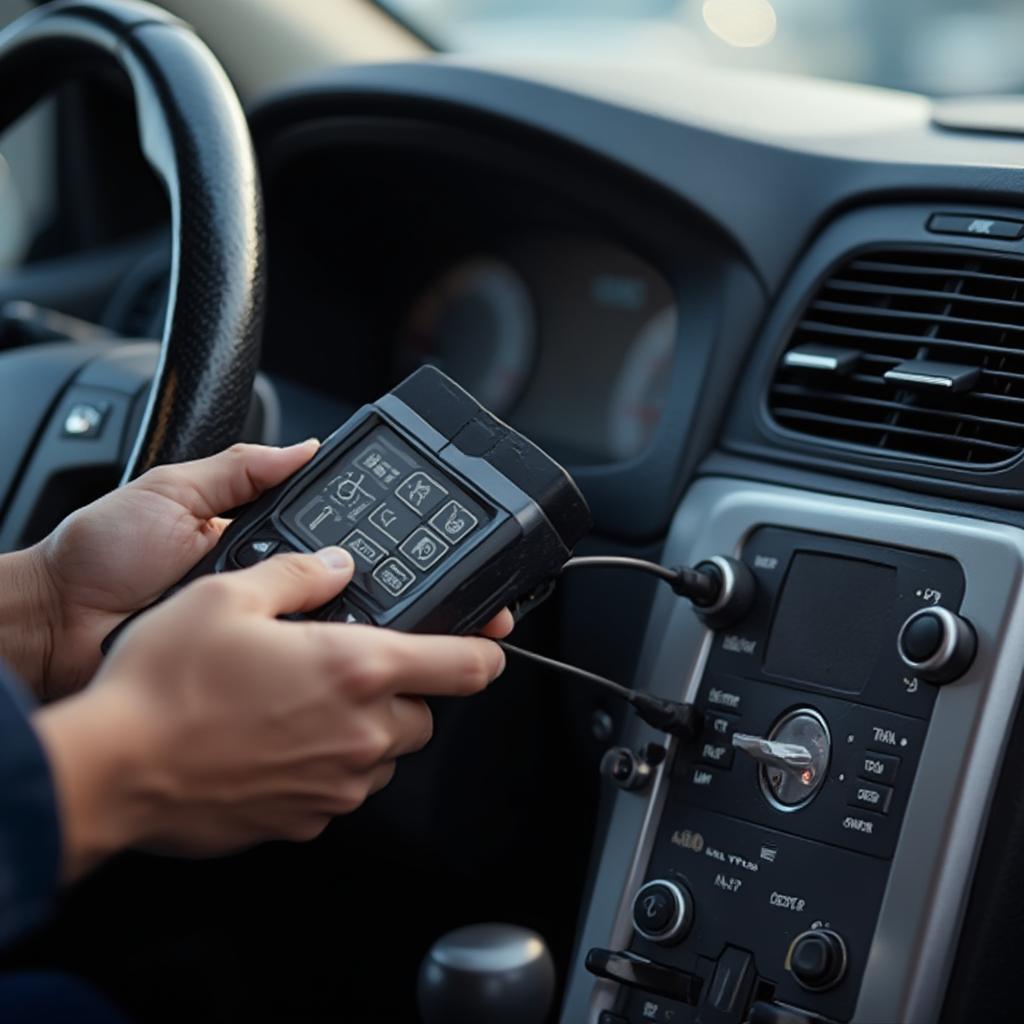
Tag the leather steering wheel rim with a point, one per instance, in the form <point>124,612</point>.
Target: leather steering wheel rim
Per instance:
<point>194,134</point>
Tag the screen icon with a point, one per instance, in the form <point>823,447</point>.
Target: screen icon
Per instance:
<point>454,521</point>
<point>423,548</point>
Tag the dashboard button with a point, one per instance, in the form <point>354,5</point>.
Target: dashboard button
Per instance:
<point>663,911</point>
<point>817,959</point>
<point>981,227</point>
<point>719,754</point>
<point>871,796</point>
<point>937,645</point>
<point>721,727</point>
<point>879,767</point>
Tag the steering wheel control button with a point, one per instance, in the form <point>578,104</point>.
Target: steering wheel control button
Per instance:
<point>977,227</point>
<point>663,911</point>
<point>394,577</point>
<point>421,492</point>
<point>365,551</point>
<point>871,797</point>
<point>85,419</point>
<point>793,758</point>
<point>817,959</point>
<point>453,521</point>
<point>937,645</point>
<point>879,767</point>
<point>424,549</point>
<point>253,551</point>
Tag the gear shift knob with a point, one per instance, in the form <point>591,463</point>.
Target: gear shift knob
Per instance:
<point>498,973</point>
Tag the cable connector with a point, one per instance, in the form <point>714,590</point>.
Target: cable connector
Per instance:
<point>677,719</point>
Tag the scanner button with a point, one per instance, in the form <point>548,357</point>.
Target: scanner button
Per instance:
<point>253,551</point>
<point>422,493</point>
<point>394,576</point>
<point>365,551</point>
<point>454,521</point>
<point>393,520</point>
<point>423,548</point>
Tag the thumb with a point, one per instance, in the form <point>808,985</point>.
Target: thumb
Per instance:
<point>294,583</point>
<point>236,476</point>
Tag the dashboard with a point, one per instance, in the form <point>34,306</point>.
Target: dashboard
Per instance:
<point>783,330</point>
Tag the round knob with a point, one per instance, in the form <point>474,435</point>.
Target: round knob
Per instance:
<point>734,592</point>
<point>663,911</point>
<point>817,959</point>
<point>937,645</point>
<point>499,973</point>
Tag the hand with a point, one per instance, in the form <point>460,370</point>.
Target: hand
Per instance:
<point>212,725</point>
<point>122,552</point>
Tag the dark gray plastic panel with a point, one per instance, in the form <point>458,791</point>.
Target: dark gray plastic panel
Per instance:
<point>915,940</point>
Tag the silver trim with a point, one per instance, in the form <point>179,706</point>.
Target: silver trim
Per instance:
<point>950,635</point>
<point>919,923</point>
<point>807,361</point>
<point>919,378</point>
<point>684,905</point>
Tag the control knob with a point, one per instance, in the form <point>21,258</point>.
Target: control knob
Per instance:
<point>817,959</point>
<point>937,645</point>
<point>663,911</point>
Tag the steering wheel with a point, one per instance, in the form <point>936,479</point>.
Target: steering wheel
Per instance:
<point>72,406</point>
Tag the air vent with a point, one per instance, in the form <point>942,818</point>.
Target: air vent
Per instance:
<point>949,313</point>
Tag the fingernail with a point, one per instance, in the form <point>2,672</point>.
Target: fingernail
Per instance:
<point>303,444</point>
<point>337,559</point>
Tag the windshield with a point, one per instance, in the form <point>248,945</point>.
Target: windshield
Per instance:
<point>939,47</point>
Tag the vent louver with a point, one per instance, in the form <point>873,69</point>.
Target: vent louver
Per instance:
<point>956,309</point>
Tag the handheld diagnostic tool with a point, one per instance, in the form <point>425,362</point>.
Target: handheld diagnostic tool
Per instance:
<point>449,514</point>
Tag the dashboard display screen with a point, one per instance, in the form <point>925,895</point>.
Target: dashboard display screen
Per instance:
<point>832,619</point>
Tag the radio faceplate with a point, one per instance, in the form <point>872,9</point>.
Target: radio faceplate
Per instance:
<point>881,904</point>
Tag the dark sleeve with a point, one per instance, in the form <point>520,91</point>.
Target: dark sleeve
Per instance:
<point>29,829</point>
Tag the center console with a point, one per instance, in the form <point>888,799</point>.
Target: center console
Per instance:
<point>884,651</point>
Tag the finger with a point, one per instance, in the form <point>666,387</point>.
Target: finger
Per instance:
<point>208,487</point>
<point>378,661</point>
<point>292,583</point>
<point>412,726</point>
<point>500,626</point>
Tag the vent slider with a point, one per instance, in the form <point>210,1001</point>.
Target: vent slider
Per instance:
<point>822,357</point>
<point>924,373</point>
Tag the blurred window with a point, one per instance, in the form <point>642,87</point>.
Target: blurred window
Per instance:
<point>938,47</point>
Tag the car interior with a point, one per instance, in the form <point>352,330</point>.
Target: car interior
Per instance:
<point>772,325</point>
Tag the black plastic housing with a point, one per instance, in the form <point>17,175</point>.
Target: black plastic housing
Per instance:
<point>530,512</point>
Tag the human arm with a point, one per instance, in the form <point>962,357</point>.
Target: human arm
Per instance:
<point>213,725</point>
<point>29,832</point>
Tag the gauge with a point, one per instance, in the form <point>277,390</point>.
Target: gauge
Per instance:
<point>477,324</point>
<point>642,388</point>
